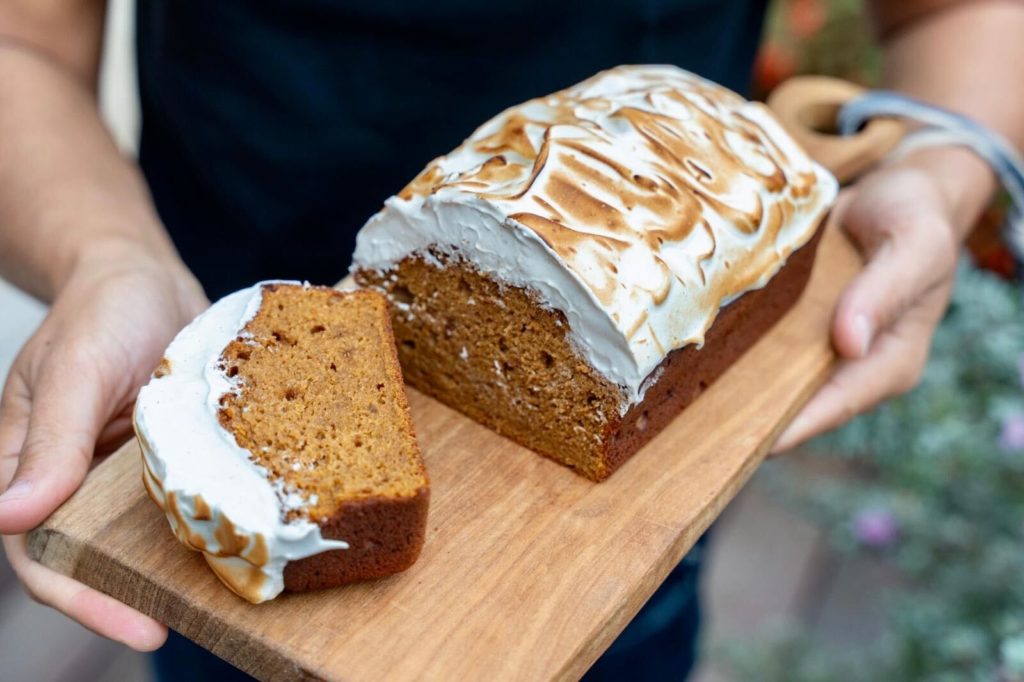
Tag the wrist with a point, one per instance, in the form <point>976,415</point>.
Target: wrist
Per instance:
<point>964,179</point>
<point>116,256</point>
<point>109,252</point>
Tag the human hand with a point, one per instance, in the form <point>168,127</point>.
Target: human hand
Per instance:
<point>909,220</point>
<point>69,397</point>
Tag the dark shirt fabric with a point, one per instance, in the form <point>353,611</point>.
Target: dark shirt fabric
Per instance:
<point>272,129</point>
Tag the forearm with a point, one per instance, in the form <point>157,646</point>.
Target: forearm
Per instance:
<point>66,192</point>
<point>967,57</point>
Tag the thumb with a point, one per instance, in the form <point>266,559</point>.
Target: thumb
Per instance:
<point>15,408</point>
<point>909,256</point>
<point>67,413</point>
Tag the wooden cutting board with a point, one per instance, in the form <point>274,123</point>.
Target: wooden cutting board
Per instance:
<point>529,571</point>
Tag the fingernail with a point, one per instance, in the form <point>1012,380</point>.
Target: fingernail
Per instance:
<point>862,327</point>
<point>17,491</point>
<point>784,442</point>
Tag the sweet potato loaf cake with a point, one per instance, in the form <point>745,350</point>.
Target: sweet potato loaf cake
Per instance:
<point>276,438</point>
<point>558,276</point>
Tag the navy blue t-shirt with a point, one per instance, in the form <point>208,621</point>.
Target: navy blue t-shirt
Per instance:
<point>272,129</point>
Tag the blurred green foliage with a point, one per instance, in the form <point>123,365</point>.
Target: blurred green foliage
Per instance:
<point>931,483</point>
<point>826,37</point>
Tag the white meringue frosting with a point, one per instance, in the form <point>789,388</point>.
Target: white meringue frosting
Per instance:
<point>637,203</point>
<point>216,499</point>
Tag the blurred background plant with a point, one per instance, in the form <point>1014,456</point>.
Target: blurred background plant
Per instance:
<point>931,485</point>
<point>816,36</point>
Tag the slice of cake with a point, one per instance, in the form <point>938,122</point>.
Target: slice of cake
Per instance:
<point>559,277</point>
<point>276,437</point>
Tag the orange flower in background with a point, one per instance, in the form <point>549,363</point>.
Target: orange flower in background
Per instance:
<point>986,245</point>
<point>775,63</point>
<point>806,17</point>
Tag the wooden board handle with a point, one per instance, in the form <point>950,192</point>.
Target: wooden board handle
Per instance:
<point>807,107</point>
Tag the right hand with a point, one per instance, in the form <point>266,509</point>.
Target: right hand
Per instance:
<point>69,397</point>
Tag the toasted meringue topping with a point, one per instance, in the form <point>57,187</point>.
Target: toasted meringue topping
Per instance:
<point>638,202</point>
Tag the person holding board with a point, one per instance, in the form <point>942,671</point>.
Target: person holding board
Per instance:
<point>272,130</point>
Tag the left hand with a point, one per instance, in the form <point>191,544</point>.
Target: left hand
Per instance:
<point>68,399</point>
<point>909,220</point>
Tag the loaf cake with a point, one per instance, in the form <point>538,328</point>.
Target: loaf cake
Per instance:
<point>276,438</point>
<point>559,277</point>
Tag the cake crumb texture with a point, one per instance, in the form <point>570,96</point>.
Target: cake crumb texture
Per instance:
<point>494,353</point>
<point>320,402</point>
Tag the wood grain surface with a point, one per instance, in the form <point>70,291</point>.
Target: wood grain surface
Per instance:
<point>529,571</point>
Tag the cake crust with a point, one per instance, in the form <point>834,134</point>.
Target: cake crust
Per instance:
<point>384,536</point>
<point>688,372</point>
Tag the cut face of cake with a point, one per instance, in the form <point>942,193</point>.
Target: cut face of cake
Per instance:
<point>558,276</point>
<point>276,437</point>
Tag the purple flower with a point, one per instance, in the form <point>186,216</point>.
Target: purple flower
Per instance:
<point>876,527</point>
<point>1011,436</point>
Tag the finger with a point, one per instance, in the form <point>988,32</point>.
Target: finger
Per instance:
<point>59,442</point>
<point>894,366</point>
<point>15,407</point>
<point>100,613</point>
<point>115,434</point>
<point>914,254</point>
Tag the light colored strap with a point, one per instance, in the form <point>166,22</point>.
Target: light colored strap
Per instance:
<point>943,127</point>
